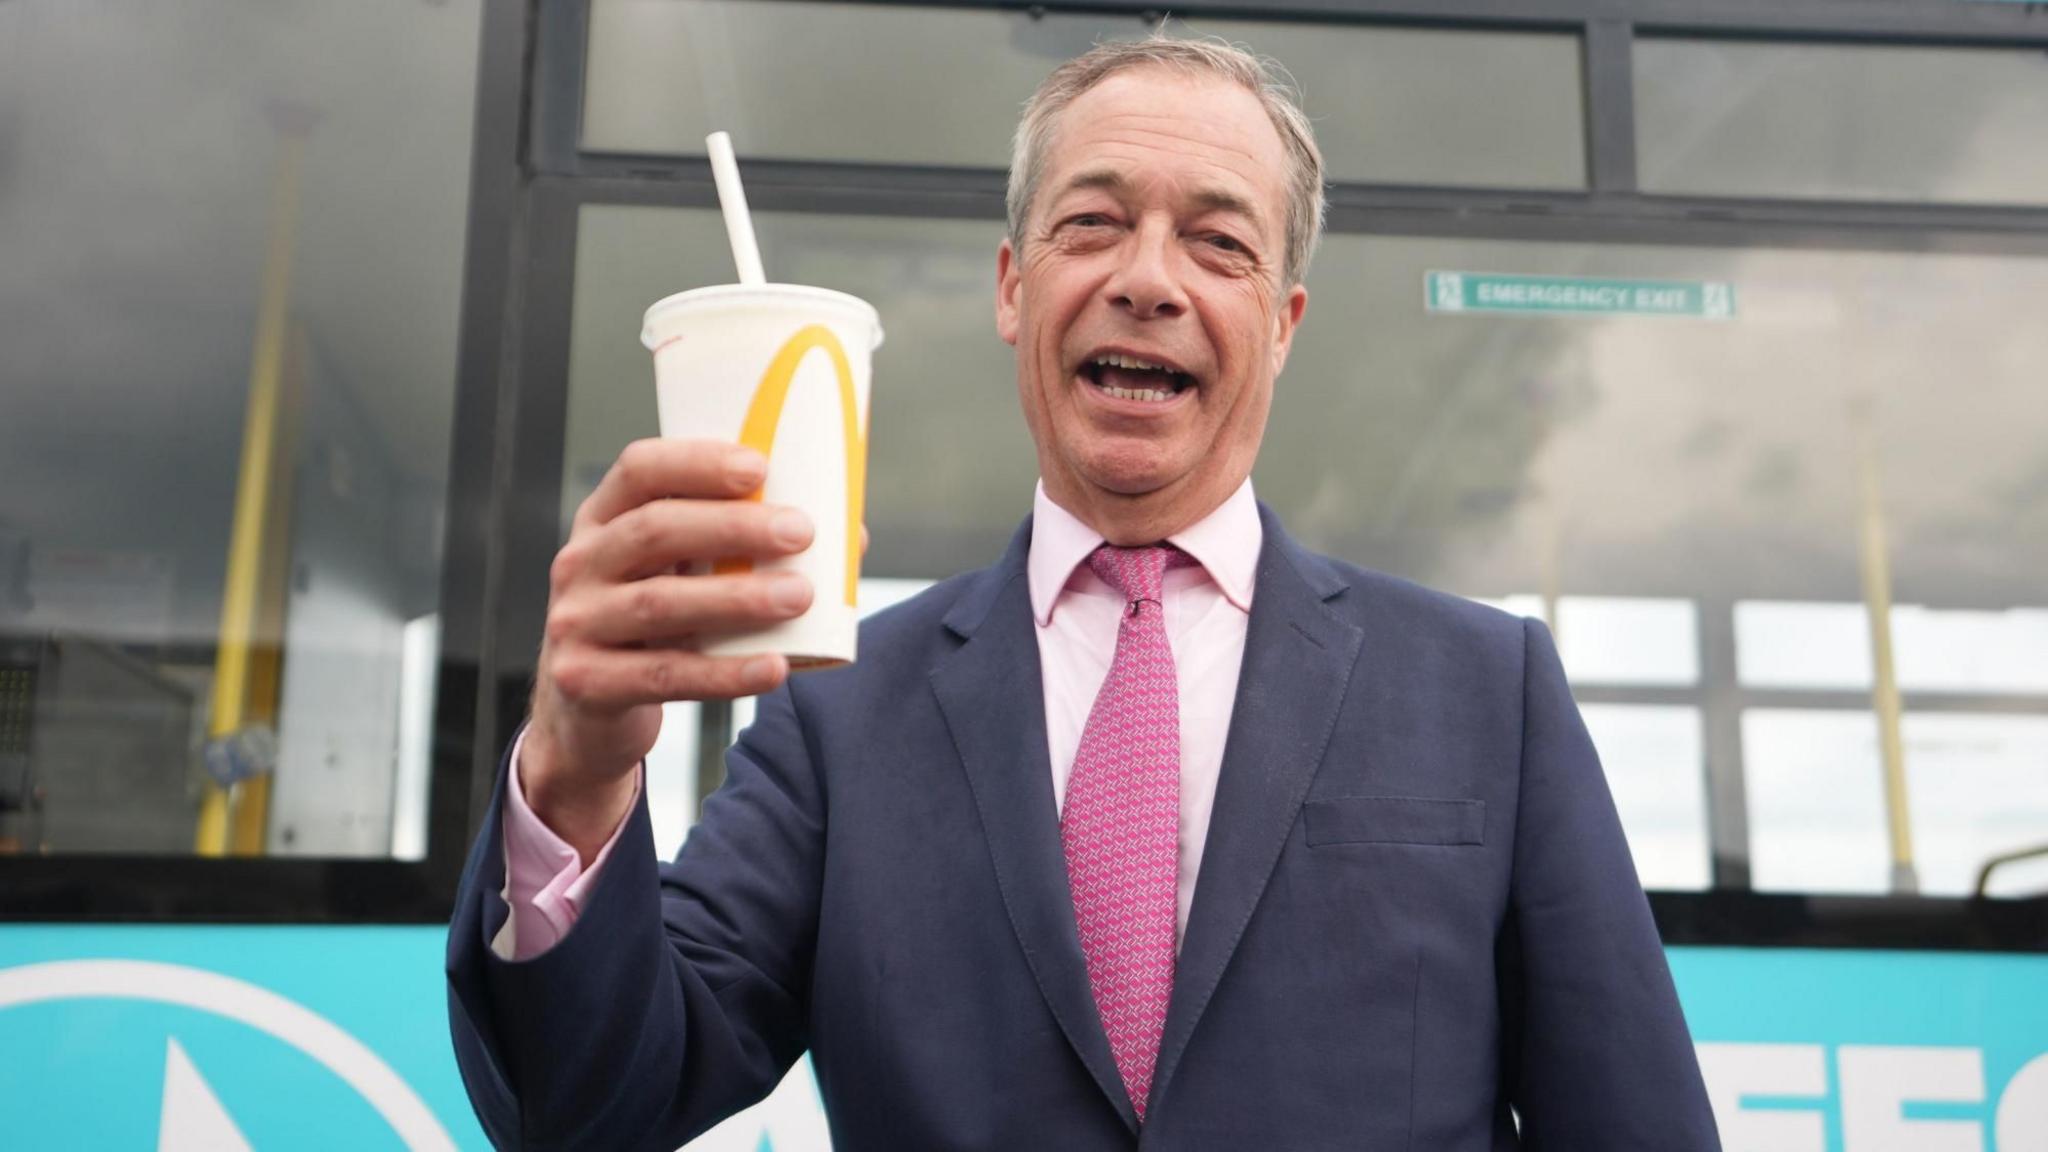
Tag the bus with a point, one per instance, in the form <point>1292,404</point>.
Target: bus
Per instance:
<point>1710,335</point>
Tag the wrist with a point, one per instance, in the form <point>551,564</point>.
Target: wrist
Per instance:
<point>581,809</point>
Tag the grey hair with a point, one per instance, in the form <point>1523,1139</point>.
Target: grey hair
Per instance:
<point>1196,57</point>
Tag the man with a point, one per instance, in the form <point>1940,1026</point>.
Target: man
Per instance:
<point>1163,832</point>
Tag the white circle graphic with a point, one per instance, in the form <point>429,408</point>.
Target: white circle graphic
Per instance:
<point>259,1008</point>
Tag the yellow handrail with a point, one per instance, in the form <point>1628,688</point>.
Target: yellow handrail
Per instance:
<point>1877,600</point>
<point>246,663</point>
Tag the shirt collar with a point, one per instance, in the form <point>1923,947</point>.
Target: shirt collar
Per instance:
<point>1225,543</point>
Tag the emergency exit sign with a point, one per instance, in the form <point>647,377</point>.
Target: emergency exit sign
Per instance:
<point>1450,292</point>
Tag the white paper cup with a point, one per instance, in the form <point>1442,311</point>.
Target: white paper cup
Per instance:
<point>784,369</point>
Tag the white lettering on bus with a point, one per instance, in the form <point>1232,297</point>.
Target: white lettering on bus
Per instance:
<point>1878,1084</point>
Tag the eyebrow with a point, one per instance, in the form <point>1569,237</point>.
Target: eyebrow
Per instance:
<point>1208,199</point>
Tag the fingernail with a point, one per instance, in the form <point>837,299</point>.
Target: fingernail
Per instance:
<point>791,528</point>
<point>791,592</point>
<point>746,467</point>
<point>760,671</point>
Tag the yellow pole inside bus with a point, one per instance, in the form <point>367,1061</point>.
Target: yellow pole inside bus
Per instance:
<point>248,659</point>
<point>1877,600</point>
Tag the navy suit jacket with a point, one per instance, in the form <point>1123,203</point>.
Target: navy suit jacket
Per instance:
<point>1415,911</point>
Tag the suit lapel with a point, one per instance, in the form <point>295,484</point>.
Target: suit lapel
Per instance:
<point>992,697</point>
<point>1298,657</point>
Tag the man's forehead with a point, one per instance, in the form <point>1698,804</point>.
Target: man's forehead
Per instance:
<point>1125,133</point>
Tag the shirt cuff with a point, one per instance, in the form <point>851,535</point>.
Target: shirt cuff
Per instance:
<point>545,882</point>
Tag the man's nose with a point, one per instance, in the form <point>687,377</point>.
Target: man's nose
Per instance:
<point>1146,282</point>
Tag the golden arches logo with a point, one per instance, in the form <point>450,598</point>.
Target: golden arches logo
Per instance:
<point>764,414</point>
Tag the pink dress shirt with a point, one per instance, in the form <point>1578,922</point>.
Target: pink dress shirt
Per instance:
<point>1208,608</point>
<point>545,881</point>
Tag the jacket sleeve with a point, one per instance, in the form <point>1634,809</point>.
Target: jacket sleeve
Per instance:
<point>679,996</point>
<point>1595,1049</point>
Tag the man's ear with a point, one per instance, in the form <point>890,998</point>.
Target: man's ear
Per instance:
<point>1009,282</point>
<point>1292,307</point>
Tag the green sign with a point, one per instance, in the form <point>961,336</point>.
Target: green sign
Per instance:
<point>1572,295</point>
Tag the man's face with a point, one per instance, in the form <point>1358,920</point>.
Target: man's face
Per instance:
<point>1146,304</point>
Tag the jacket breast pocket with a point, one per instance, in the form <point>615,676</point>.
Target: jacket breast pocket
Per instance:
<point>1394,820</point>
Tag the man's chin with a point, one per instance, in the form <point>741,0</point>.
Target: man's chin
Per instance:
<point>1134,480</point>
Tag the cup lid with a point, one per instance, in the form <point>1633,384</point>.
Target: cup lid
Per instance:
<point>742,295</point>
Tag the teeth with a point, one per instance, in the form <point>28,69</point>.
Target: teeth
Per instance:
<point>1131,362</point>
<point>1150,394</point>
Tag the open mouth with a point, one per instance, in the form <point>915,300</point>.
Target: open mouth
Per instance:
<point>1135,378</point>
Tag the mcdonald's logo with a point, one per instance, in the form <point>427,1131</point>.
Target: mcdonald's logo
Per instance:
<point>764,415</point>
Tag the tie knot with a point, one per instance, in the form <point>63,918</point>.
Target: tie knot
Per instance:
<point>1137,572</point>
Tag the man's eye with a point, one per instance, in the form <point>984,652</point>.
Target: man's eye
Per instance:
<point>1089,220</point>
<point>1226,243</point>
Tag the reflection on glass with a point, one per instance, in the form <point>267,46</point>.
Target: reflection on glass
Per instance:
<point>1816,802</point>
<point>1975,786</point>
<point>1628,640</point>
<point>1618,639</point>
<point>671,780</point>
<point>422,653</point>
<point>1419,106</point>
<point>935,85</point>
<point>233,238</point>
<point>1737,118</point>
<point>1978,787</point>
<point>1791,645</point>
<point>1827,646</point>
<point>879,593</point>
<point>1655,767</point>
<point>2003,651</point>
<point>1710,461</point>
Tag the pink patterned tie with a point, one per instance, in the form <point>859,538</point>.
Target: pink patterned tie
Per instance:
<point>1121,823</point>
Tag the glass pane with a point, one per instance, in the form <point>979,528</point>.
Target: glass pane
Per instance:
<point>1655,766</point>
<point>228,312</point>
<point>1413,106</point>
<point>1827,646</point>
<point>1791,645</point>
<point>944,86</point>
<point>1620,640</point>
<point>1729,118</point>
<point>1628,640</point>
<point>1816,802</point>
<point>1975,786</point>
<point>1978,788</point>
<point>672,792</point>
<point>1672,457</point>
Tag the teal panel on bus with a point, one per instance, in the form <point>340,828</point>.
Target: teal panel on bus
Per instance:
<point>230,1037</point>
<point>187,1037</point>
<point>1841,1051</point>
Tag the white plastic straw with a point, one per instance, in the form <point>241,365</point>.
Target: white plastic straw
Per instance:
<point>732,199</point>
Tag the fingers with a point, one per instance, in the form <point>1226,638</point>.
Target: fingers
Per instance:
<point>608,680</point>
<point>668,608</point>
<point>620,621</point>
<point>657,536</point>
<point>659,468</point>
